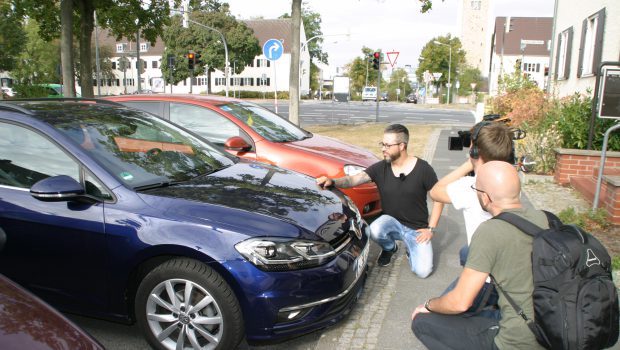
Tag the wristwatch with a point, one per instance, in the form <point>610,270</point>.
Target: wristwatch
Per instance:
<point>430,228</point>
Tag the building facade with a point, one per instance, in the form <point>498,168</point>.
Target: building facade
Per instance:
<point>585,34</point>
<point>261,75</point>
<point>523,42</point>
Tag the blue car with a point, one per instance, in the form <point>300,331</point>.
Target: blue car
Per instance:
<point>114,213</point>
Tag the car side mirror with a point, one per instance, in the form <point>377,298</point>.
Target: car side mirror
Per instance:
<point>237,143</point>
<point>59,188</point>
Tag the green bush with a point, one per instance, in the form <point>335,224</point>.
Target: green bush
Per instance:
<point>29,91</point>
<point>591,221</point>
<point>615,263</point>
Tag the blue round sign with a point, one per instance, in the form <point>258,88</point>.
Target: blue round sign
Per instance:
<point>272,49</point>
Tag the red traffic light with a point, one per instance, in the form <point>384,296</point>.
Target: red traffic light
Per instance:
<point>376,55</point>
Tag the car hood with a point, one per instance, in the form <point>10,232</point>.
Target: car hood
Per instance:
<point>327,146</point>
<point>262,193</point>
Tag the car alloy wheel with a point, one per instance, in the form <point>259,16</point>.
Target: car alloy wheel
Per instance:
<point>184,304</point>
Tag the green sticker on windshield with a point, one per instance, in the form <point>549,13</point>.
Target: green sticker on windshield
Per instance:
<point>126,176</point>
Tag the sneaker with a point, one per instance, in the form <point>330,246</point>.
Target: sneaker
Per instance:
<point>386,256</point>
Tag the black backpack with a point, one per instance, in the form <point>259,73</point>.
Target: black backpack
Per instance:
<point>575,299</point>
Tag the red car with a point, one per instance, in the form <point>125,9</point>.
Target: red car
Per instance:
<point>250,131</point>
<point>26,322</point>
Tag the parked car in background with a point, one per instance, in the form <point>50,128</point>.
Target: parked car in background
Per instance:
<point>412,98</point>
<point>114,213</point>
<point>7,91</point>
<point>250,131</point>
<point>384,96</point>
<point>26,322</point>
<point>369,93</point>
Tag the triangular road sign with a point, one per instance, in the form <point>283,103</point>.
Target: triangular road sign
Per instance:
<point>392,57</point>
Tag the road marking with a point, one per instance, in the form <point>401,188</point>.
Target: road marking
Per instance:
<point>449,120</point>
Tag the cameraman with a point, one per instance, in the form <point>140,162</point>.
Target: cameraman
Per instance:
<point>489,141</point>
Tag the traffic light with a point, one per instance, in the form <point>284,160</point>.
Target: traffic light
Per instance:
<point>197,60</point>
<point>191,57</point>
<point>376,60</point>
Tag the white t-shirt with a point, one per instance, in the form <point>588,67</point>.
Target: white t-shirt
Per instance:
<point>464,198</point>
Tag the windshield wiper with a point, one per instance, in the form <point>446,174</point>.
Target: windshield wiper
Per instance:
<point>156,185</point>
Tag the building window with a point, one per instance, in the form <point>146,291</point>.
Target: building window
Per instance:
<point>121,48</point>
<point>563,55</point>
<point>263,62</point>
<point>531,67</point>
<point>263,82</point>
<point>591,47</point>
<point>144,47</point>
<point>154,64</point>
<point>113,65</point>
<point>475,4</point>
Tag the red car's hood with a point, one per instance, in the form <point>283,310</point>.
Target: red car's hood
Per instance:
<point>327,146</point>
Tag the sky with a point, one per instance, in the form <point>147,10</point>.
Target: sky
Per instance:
<point>389,25</point>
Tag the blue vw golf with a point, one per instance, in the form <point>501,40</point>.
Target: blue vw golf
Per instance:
<point>114,213</point>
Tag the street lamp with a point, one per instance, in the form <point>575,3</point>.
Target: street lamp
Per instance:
<point>449,85</point>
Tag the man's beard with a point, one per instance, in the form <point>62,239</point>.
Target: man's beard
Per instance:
<point>390,158</point>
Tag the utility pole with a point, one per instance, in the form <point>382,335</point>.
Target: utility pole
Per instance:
<point>378,87</point>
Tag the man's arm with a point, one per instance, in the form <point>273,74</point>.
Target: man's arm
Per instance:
<point>425,233</point>
<point>343,182</point>
<point>460,298</point>
<point>439,192</point>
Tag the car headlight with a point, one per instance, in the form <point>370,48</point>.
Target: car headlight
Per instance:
<point>283,254</point>
<point>351,170</point>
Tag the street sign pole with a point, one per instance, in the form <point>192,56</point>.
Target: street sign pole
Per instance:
<point>378,87</point>
<point>272,50</point>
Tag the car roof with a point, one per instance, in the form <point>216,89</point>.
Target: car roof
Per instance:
<point>211,99</point>
<point>48,109</point>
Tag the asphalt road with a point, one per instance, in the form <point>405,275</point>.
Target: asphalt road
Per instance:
<point>327,112</point>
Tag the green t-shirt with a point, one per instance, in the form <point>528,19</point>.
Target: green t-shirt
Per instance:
<point>505,252</point>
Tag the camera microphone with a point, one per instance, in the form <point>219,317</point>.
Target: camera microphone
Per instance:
<point>402,176</point>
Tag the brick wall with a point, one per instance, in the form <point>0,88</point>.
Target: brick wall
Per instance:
<point>573,163</point>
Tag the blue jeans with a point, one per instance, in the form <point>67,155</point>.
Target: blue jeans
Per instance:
<point>386,230</point>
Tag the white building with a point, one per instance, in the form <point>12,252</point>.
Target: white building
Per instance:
<point>585,34</point>
<point>523,41</point>
<point>260,75</point>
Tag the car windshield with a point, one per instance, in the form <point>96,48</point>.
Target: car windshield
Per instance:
<point>266,123</point>
<point>142,150</point>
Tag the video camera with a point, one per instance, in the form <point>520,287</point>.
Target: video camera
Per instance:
<point>463,140</point>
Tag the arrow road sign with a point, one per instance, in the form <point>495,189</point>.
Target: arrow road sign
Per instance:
<point>272,49</point>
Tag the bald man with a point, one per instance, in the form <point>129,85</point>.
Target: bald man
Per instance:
<point>498,249</point>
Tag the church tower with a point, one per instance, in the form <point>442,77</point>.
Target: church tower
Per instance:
<point>476,29</point>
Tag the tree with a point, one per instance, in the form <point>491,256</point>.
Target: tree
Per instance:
<point>466,77</point>
<point>123,17</point>
<point>39,60</point>
<point>242,44</point>
<point>399,80</point>
<point>312,28</point>
<point>435,58</point>
<point>12,37</point>
<point>358,68</point>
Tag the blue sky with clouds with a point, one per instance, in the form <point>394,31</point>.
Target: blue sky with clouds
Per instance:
<point>390,25</point>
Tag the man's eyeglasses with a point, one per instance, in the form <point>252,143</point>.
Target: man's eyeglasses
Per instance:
<point>473,187</point>
<point>387,145</point>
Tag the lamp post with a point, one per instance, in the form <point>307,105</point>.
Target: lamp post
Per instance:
<point>449,85</point>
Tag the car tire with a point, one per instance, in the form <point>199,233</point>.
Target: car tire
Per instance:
<point>211,320</point>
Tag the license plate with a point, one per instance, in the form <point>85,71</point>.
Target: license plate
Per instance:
<point>360,262</point>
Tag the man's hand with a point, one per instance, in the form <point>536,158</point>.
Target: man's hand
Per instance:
<point>324,182</point>
<point>424,236</point>
<point>419,310</point>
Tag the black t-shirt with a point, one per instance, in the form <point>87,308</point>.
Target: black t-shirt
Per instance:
<point>404,198</point>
